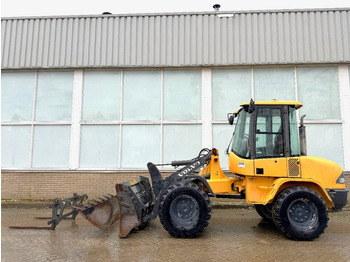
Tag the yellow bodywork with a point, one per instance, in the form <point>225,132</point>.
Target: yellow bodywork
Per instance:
<point>315,173</point>
<point>279,173</point>
<point>219,182</point>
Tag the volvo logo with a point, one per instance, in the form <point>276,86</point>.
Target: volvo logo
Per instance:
<point>189,169</point>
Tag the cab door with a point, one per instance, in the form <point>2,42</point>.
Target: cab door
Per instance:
<point>269,145</point>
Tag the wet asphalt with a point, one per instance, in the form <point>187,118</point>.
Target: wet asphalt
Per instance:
<point>232,235</point>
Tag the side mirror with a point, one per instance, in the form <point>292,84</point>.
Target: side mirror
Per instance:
<point>230,118</point>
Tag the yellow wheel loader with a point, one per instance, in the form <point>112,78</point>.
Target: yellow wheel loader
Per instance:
<point>270,169</point>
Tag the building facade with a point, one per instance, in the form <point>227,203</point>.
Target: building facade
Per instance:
<point>87,101</point>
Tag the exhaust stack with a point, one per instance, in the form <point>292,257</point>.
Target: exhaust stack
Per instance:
<point>302,135</point>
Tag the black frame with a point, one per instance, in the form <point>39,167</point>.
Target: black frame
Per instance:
<point>285,131</point>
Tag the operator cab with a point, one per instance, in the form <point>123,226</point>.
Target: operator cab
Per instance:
<point>265,137</point>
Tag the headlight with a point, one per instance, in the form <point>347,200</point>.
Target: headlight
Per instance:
<point>341,179</point>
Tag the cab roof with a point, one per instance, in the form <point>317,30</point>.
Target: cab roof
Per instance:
<point>297,104</point>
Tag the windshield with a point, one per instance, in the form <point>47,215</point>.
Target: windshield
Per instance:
<point>240,142</point>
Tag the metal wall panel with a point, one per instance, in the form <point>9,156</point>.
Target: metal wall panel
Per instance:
<point>174,40</point>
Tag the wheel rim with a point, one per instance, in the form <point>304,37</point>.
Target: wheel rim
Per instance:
<point>303,213</point>
<point>184,212</point>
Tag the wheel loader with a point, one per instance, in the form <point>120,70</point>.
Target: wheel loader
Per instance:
<point>268,166</point>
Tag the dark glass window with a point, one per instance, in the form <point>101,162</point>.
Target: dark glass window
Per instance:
<point>240,143</point>
<point>269,133</point>
<point>294,133</point>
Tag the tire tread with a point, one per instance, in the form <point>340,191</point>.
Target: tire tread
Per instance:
<point>204,221</point>
<point>277,209</point>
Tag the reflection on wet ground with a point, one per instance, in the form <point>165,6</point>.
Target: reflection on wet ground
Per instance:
<point>232,234</point>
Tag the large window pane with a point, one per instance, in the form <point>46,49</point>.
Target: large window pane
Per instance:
<point>17,92</point>
<point>54,96</point>
<point>51,146</point>
<point>294,133</point>
<point>101,98</point>
<point>231,87</point>
<point>182,94</point>
<point>141,95</point>
<point>99,146</point>
<point>274,83</point>
<point>15,146</point>
<point>221,138</point>
<point>181,142</point>
<point>140,145</point>
<point>318,91</point>
<point>325,140</point>
<point>269,133</point>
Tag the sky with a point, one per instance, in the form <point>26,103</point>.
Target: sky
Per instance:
<point>13,8</point>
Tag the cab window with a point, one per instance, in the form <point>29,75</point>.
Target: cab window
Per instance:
<point>269,133</point>
<point>240,143</point>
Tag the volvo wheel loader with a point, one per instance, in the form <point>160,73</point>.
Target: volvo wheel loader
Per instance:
<point>269,169</point>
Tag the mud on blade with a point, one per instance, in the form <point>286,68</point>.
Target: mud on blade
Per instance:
<point>102,213</point>
<point>133,205</point>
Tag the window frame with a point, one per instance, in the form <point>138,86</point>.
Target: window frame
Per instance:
<point>33,123</point>
<point>121,122</point>
<point>285,131</point>
<point>207,122</point>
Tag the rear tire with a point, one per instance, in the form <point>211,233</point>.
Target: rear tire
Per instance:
<point>184,210</point>
<point>300,213</point>
<point>265,211</point>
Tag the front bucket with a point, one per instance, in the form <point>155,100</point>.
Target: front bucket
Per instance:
<point>136,204</point>
<point>128,214</point>
<point>133,205</point>
<point>102,213</point>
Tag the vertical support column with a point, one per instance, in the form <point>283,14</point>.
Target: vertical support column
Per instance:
<point>121,118</point>
<point>33,119</point>
<point>344,94</point>
<point>161,115</point>
<point>76,118</point>
<point>207,132</point>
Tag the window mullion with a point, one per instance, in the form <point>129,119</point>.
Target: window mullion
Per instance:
<point>121,118</point>
<point>344,95</point>
<point>33,119</point>
<point>161,113</point>
<point>76,118</point>
<point>207,133</point>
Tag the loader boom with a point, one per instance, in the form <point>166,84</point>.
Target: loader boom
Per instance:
<point>185,173</point>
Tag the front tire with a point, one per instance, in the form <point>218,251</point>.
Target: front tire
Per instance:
<point>300,213</point>
<point>184,210</point>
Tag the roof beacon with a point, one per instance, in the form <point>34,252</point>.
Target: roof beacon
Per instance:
<point>216,7</point>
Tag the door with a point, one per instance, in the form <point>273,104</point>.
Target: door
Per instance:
<point>270,157</point>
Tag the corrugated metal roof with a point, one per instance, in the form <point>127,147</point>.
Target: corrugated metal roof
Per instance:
<point>181,39</point>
